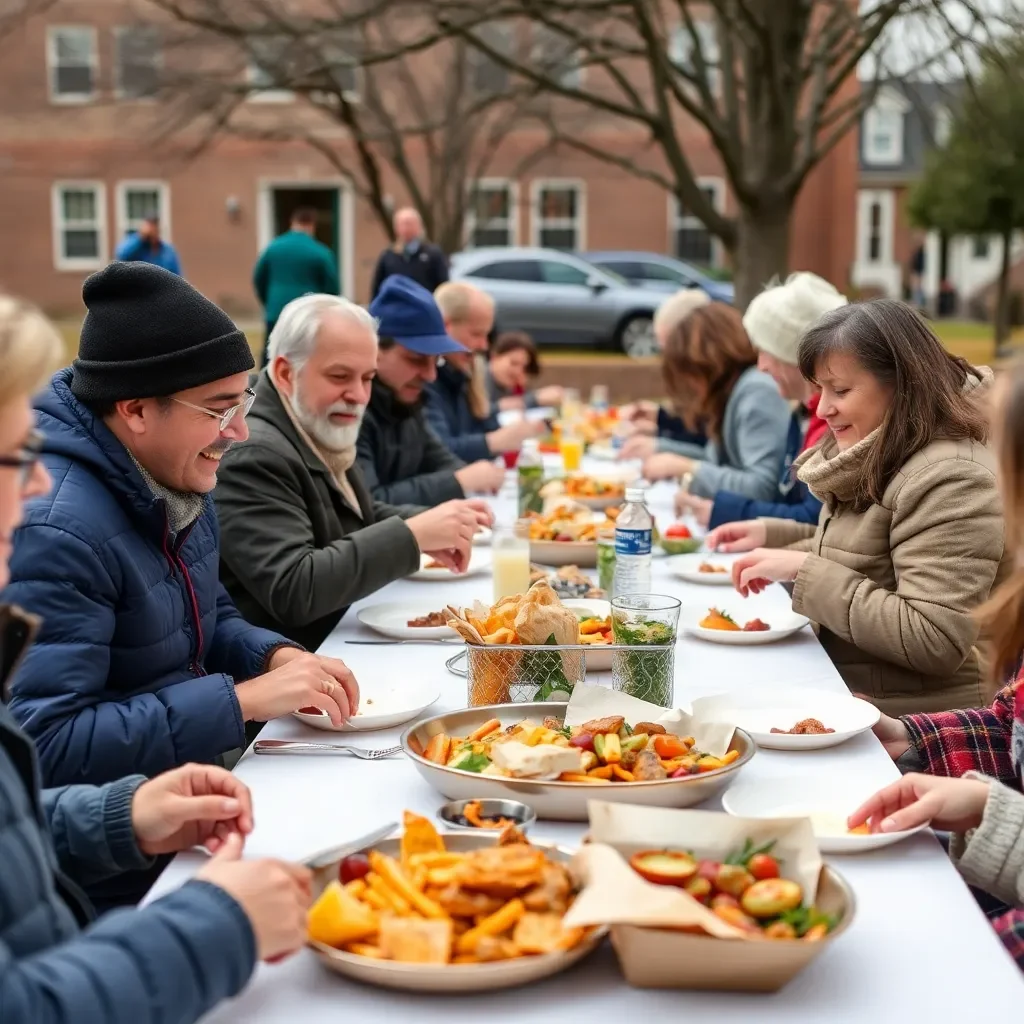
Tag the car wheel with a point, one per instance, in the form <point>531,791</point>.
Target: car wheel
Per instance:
<point>636,337</point>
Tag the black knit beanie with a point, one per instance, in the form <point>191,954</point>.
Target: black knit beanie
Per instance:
<point>148,332</point>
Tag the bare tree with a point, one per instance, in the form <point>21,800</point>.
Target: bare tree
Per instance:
<point>419,112</point>
<point>771,82</point>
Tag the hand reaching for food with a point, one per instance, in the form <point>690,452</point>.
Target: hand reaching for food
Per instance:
<point>734,537</point>
<point>699,508</point>
<point>953,805</point>
<point>753,572</point>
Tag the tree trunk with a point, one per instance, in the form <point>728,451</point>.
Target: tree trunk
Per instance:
<point>762,249</point>
<point>1003,293</point>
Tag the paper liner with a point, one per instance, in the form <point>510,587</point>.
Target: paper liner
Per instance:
<point>615,894</point>
<point>589,702</point>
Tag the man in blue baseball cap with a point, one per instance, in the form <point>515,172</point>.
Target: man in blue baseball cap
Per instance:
<point>402,460</point>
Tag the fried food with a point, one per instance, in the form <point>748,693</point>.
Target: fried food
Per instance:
<point>472,813</point>
<point>613,723</point>
<point>708,568</point>
<point>414,940</point>
<point>805,727</point>
<point>431,620</point>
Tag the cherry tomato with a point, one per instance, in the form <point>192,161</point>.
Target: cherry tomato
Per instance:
<point>353,867</point>
<point>664,867</point>
<point>583,740</point>
<point>679,531</point>
<point>708,869</point>
<point>762,866</point>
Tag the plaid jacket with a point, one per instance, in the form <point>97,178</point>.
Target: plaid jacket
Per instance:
<point>984,740</point>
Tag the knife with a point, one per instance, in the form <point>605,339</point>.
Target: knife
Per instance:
<point>374,643</point>
<point>325,858</point>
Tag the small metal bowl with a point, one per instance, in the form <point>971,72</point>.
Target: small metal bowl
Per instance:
<point>513,810</point>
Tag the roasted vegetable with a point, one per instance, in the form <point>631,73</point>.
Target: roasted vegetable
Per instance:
<point>664,867</point>
<point>771,897</point>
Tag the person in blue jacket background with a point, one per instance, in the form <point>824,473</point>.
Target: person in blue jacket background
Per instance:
<point>146,246</point>
<point>142,662</point>
<point>173,961</point>
<point>775,322</point>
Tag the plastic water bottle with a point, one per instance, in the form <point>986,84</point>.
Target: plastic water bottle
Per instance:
<point>633,531</point>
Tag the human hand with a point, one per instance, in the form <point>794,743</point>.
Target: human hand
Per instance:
<point>640,413</point>
<point>550,396</point>
<point>699,508</point>
<point>446,532</point>
<point>949,805</point>
<point>893,735</point>
<point>754,571</point>
<point>665,466</point>
<point>733,537</point>
<point>481,477</point>
<point>194,805</point>
<point>638,446</point>
<point>511,438</point>
<point>274,894</point>
<point>297,679</point>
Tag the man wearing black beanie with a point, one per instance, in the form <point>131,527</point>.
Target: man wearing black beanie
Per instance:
<point>143,663</point>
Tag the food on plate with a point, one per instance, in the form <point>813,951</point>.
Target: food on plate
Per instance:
<point>354,866</point>
<point>710,569</point>
<point>569,523</point>
<point>471,815</point>
<point>431,620</point>
<point>599,751</point>
<point>434,564</point>
<point>678,540</point>
<point>440,907</point>
<point>596,630</point>
<point>716,619</point>
<point>805,727</point>
<point>567,582</point>
<point>591,487</point>
<point>746,890</point>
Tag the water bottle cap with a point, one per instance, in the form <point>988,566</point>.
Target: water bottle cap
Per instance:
<point>531,444</point>
<point>634,494</point>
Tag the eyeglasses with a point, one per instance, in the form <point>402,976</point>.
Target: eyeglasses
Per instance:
<point>26,459</point>
<point>227,415</point>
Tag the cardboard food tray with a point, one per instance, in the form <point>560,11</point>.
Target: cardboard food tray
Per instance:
<point>658,954</point>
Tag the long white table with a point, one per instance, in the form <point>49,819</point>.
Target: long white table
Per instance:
<point>918,948</point>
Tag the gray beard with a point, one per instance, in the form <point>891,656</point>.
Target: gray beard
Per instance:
<point>321,429</point>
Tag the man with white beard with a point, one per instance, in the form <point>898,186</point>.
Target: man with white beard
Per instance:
<point>301,536</point>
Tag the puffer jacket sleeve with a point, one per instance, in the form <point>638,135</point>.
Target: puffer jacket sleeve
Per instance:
<point>946,540</point>
<point>168,963</point>
<point>59,694</point>
<point>239,649</point>
<point>91,829</point>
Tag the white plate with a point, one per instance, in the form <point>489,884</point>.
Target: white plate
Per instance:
<point>381,707</point>
<point>687,567</point>
<point>482,537</point>
<point>598,659</point>
<point>509,416</point>
<point>783,621</point>
<point>826,804</point>
<point>391,620</point>
<point>760,712</point>
<point>480,561</point>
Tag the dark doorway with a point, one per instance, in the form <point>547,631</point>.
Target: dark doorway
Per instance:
<point>326,201</point>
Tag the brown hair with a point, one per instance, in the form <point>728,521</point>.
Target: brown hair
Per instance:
<point>893,343</point>
<point>705,354</point>
<point>517,341</point>
<point>1002,616</point>
<point>304,215</point>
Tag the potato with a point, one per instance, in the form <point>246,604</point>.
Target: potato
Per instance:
<point>771,897</point>
<point>733,879</point>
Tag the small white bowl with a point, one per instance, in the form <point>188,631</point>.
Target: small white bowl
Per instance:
<point>820,799</point>
<point>759,712</point>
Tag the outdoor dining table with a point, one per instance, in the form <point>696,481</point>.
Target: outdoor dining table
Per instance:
<point>918,949</point>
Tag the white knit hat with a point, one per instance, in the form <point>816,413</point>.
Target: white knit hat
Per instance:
<point>777,319</point>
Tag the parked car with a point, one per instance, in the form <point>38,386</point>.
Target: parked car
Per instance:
<point>662,273</point>
<point>561,299</point>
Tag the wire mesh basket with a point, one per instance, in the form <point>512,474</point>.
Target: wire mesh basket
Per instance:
<point>520,674</point>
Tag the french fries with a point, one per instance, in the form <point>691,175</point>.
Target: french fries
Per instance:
<point>439,907</point>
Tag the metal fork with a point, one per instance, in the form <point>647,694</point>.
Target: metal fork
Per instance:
<point>306,747</point>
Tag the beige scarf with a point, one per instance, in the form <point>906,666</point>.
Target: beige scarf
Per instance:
<point>337,463</point>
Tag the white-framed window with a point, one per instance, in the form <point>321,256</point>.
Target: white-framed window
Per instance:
<point>681,51</point>
<point>942,125</point>
<point>276,59</point>
<point>558,210</point>
<point>266,67</point>
<point>139,200</point>
<point>73,62</point>
<point>875,213</point>
<point>487,75</point>
<point>556,56</point>
<point>79,213</point>
<point>137,61</point>
<point>883,127</point>
<point>691,240</point>
<point>492,213</point>
<point>981,247</point>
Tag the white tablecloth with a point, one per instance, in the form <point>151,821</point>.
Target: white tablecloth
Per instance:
<point>918,949</point>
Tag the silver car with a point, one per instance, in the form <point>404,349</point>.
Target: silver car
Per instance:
<point>560,299</point>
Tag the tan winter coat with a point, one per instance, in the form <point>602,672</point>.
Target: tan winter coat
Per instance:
<point>893,588</point>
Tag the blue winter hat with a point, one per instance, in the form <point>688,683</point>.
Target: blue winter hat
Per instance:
<point>407,312</point>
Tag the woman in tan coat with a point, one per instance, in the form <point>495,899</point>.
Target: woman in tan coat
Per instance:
<point>910,540</point>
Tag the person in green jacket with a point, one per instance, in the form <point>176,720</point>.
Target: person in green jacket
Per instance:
<point>294,264</point>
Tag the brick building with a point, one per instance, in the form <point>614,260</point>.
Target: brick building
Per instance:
<point>79,168</point>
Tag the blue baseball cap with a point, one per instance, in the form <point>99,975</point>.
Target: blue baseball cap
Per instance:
<point>407,312</point>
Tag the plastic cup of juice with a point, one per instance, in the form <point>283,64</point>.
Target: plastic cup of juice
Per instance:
<point>572,453</point>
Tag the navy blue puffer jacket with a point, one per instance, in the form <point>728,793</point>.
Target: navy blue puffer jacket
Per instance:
<point>135,664</point>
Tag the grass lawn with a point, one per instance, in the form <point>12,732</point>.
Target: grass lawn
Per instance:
<point>964,338</point>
